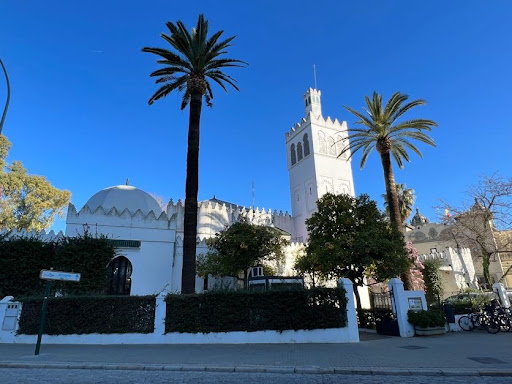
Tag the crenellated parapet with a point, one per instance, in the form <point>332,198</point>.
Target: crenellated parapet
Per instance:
<point>114,217</point>
<point>317,120</point>
<point>40,235</point>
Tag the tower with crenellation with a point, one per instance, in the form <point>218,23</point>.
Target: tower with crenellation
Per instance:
<point>315,167</point>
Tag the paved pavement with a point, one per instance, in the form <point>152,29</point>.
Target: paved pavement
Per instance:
<point>463,353</point>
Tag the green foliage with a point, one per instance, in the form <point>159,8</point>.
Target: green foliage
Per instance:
<point>433,280</point>
<point>21,260</point>
<point>89,314</point>
<point>278,310</point>
<point>26,201</point>
<point>368,318</point>
<point>426,319</point>
<point>406,199</point>
<point>194,58</point>
<point>238,247</point>
<point>464,303</point>
<point>89,256</point>
<point>349,237</point>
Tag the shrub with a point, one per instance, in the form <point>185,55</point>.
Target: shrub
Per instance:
<point>426,319</point>
<point>254,311</point>
<point>368,318</point>
<point>90,314</point>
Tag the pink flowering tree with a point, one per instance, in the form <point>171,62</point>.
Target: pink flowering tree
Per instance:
<point>415,273</point>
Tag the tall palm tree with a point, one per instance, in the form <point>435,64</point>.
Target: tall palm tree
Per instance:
<point>187,67</point>
<point>8,97</point>
<point>406,199</point>
<point>381,131</point>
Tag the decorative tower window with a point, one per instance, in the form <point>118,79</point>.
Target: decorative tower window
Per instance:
<point>306,145</point>
<point>323,143</point>
<point>299,151</point>
<point>292,150</point>
<point>339,146</point>
<point>330,146</point>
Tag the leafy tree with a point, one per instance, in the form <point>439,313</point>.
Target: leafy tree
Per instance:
<point>241,246</point>
<point>193,60</point>
<point>433,280</point>
<point>382,131</point>
<point>349,237</point>
<point>26,201</point>
<point>484,226</point>
<point>406,199</point>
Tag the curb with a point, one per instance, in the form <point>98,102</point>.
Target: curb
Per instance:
<point>265,369</point>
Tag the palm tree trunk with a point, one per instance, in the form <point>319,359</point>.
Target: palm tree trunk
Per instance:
<point>394,206</point>
<point>389,180</point>
<point>188,277</point>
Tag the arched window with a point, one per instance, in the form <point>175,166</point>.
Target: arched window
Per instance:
<point>330,146</point>
<point>306,145</point>
<point>340,146</point>
<point>119,274</point>
<point>323,143</point>
<point>293,157</point>
<point>299,151</point>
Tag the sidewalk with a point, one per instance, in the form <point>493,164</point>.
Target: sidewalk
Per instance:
<point>462,353</point>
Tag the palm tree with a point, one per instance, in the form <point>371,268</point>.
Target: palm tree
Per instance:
<point>8,97</point>
<point>188,66</point>
<point>406,199</point>
<point>381,131</point>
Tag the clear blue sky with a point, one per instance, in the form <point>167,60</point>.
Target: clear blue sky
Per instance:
<point>80,85</point>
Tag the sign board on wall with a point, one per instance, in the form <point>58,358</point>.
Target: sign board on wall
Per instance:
<point>415,304</point>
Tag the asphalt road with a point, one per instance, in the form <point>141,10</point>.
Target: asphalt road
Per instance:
<point>61,376</point>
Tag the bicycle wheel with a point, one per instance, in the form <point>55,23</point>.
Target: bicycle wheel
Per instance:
<point>491,325</point>
<point>466,324</point>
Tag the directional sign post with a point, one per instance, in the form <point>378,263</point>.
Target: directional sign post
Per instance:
<point>49,276</point>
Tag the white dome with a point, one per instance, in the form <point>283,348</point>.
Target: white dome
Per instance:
<point>122,197</point>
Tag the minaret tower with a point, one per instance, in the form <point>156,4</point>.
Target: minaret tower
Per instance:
<point>314,167</point>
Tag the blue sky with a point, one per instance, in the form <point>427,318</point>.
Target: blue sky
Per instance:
<point>80,85</point>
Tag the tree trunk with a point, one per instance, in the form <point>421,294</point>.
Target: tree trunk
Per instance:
<point>393,204</point>
<point>389,180</point>
<point>486,261</point>
<point>188,277</point>
<point>356,294</point>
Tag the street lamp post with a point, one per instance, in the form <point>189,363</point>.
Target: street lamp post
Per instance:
<point>8,97</point>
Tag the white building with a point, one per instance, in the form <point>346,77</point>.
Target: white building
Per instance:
<point>149,240</point>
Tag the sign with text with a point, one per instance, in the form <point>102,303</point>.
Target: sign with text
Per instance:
<point>47,274</point>
<point>415,304</point>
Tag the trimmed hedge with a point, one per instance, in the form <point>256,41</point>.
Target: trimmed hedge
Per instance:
<point>279,310</point>
<point>90,314</point>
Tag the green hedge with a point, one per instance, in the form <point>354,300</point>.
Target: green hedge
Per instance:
<point>254,311</point>
<point>21,260</point>
<point>90,314</point>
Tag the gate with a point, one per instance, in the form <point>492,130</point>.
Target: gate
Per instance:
<point>381,316</point>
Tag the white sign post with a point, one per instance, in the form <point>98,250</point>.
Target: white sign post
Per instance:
<point>50,275</point>
<point>58,275</point>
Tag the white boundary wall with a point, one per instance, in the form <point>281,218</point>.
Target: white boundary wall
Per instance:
<point>349,334</point>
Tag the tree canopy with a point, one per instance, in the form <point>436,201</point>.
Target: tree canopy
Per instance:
<point>349,237</point>
<point>26,201</point>
<point>381,130</point>
<point>241,246</point>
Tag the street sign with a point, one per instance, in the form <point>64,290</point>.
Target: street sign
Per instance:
<point>58,275</point>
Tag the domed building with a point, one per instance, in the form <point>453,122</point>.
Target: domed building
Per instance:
<point>149,238</point>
